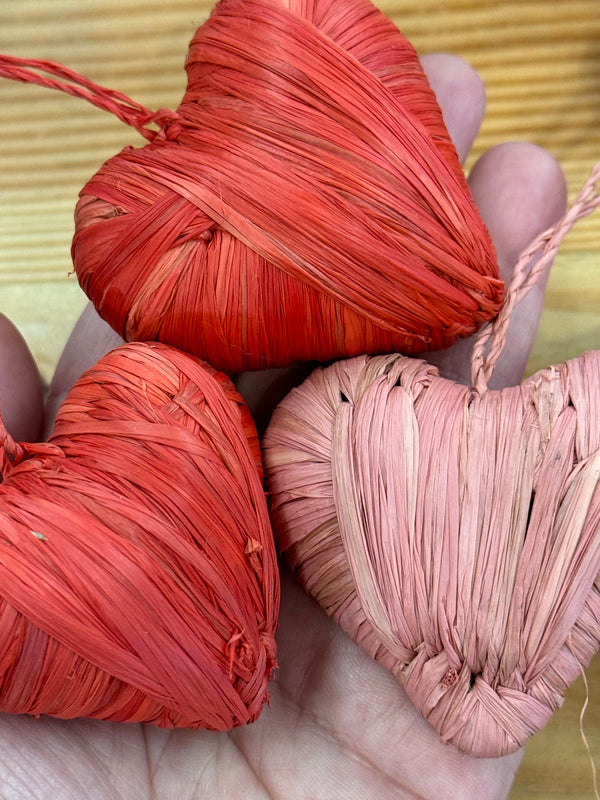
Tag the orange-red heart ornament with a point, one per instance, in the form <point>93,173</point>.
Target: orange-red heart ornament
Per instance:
<point>138,578</point>
<point>304,202</point>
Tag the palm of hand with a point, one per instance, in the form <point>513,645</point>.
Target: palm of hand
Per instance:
<point>338,726</point>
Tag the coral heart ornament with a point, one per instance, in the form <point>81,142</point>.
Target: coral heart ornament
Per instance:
<point>138,573</point>
<point>452,531</point>
<point>304,202</point>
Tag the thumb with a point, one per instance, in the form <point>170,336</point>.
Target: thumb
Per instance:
<point>21,391</point>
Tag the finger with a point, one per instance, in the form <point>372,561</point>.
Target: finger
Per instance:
<point>461,95</point>
<point>520,191</point>
<point>90,339</point>
<point>21,391</point>
<point>264,389</point>
<point>514,220</point>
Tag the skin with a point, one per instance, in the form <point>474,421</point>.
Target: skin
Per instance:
<point>21,394</point>
<point>338,725</point>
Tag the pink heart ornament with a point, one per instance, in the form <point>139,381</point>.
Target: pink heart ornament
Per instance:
<point>453,535</point>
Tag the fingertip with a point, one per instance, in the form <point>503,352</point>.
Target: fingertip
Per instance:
<point>90,339</point>
<point>21,390</point>
<point>262,390</point>
<point>460,91</point>
<point>520,190</point>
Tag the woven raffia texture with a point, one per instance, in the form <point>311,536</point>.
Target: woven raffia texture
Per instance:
<point>540,64</point>
<point>138,574</point>
<point>454,536</point>
<point>303,208</point>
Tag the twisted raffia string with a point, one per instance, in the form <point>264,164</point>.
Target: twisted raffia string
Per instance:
<point>490,341</point>
<point>454,534</point>
<point>138,578</point>
<point>583,735</point>
<point>39,72</point>
<point>305,202</point>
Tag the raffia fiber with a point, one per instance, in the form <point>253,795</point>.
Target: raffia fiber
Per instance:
<point>304,202</point>
<point>452,531</point>
<point>138,579</point>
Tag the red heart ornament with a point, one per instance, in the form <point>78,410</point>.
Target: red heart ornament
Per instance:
<point>137,565</point>
<point>456,537</point>
<point>305,201</point>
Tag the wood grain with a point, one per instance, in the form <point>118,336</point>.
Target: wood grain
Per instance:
<point>540,61</point>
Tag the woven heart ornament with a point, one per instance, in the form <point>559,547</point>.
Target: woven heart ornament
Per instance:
<point>138,579</point>
<point>452,531</point>
<point>304,202</point>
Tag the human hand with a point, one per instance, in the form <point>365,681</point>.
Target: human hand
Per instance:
<point>338,725</point>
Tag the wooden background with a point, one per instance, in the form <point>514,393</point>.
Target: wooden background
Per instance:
<point>541,64</point>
